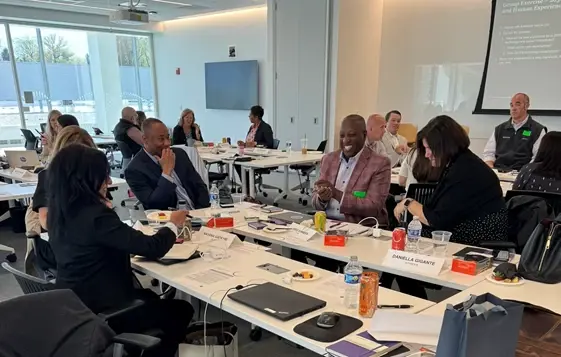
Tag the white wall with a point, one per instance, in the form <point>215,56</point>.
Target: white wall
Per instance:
<point>189,44</point>
<point>431,61</point>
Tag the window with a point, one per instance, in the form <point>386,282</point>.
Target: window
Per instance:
<point>91,75</point>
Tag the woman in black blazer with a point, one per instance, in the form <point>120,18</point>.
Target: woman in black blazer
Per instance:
<point>186,129</point>
<point>93,247</point>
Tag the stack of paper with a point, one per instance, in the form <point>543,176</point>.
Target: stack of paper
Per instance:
<point>389,325</point>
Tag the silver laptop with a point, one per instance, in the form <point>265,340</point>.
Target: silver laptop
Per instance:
<point>27,159</point>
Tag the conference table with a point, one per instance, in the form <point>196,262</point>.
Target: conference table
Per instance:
<point>13,177</point>
<point>210,280</point>
<point>262,159</point>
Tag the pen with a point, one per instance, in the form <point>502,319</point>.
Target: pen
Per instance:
<point>395,306</point>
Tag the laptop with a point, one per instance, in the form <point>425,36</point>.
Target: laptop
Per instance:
<point>25,159</point>
<point>291,217</point>
<point>277,301</point>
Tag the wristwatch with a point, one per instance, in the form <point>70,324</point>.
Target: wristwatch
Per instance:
<point>407,202</point>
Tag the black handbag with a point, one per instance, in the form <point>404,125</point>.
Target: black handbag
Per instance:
<point>541,257</point>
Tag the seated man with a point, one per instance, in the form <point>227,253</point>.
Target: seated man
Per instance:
<point>161,176</point>
<point>375,129</point>
<point>354,183</point>
<point>395,144</point>
<point>515,142</point>
<point>128,135</point>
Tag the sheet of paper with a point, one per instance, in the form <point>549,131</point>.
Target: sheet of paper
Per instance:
<point>333,286</point>
<point>211,276</point>
<point>389,325</point>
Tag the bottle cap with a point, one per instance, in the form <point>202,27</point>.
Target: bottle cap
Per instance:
<point>415,217</point>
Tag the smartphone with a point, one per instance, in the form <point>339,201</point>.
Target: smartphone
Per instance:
<point>227,205</point>
<point>257,225</point>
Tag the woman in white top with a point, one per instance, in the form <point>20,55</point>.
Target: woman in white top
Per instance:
<point>417,169</point>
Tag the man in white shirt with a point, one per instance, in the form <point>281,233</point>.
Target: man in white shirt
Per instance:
<point>375,129</point>
<point>515,142</point>
<point>395,144</point>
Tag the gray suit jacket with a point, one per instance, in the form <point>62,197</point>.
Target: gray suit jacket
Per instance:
<point>389,144</point>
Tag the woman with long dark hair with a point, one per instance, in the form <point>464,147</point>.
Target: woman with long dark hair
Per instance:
<point>468,200</point>
<point>93,247</point>
<point>417,169</point>
<point>544,174</point>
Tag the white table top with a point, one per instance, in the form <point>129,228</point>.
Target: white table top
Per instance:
<point>17,191</point>
<point>104,140</point>
<point>272,159</point>
<point>370,252</point>
<point>31,177</point>
<point>243,264</point>
<point>544,295</point>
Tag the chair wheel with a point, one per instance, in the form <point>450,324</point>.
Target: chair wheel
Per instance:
<point>239,190</point>
<point>285,196</point>
<point>265,194</point>
<point>304,202</point>
<point>275,204</point>
<point>123,204</point>
<point>300,200</point>
<point>256,334</point>
<point>154,282</point>
<point>12,257</point>
<point>233,190</point>
<point>280,191</point>
<point>302,191</point>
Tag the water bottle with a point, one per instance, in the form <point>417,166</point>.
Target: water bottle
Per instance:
<point>413,234</point>
<point>353,272</point>
<point>214,197</point>
<point>288,147</point>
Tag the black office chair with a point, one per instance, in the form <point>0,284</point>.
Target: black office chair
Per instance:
<point>58,324</point>
<point>420,192</point>
<point>260,172</point>
<point>29,284</point>
<point>552,199</point>
<point>31,141</point>
<point>305,171</point>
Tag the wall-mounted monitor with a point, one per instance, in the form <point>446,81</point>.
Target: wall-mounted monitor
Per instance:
<point>232,85</point>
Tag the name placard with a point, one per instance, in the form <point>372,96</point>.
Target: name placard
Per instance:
<point>19,172</point>
<point>413,262</point>
<point>301,232</point>
<point>261,151</point>
<point>218,238</point>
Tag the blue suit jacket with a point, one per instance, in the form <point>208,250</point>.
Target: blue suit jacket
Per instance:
<point>154,191</point>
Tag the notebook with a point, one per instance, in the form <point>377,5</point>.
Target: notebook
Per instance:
<point>362,345</point>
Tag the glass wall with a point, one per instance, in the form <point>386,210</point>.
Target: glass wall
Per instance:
<point>91,75</point>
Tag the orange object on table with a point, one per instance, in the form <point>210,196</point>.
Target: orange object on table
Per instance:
<point>220,222</point>
<point>334,239</point>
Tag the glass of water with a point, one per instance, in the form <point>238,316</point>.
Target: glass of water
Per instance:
<point>288,147</point>
<point>440,241</point>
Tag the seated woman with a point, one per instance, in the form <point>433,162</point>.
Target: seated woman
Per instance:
<point>36,217</point>
<point>186,129</point>
<point>53,127</point>
<point>544,174</point>
<point>468,200</point>
<point>93,247</point>
<point>417,169</point>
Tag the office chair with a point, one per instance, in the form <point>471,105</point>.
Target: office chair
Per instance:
<point>31,141</point>
<point>58,324</point>
<point>43,127</point>
<point>552,199</point>
<point>29,284</point>
<point>420,192</point>
<point>260,172</point>
<point>305,171</point>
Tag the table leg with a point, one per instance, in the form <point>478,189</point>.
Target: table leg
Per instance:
<point>251,182</point>
<point>244,182</point>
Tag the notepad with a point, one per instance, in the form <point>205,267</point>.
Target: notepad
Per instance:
<point>406,327</point>
<point>362,345</point>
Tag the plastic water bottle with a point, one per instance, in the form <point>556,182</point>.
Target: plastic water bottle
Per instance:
<point>353,272</point>
<point>214,197</point>
<point>413,234</point>
<point>288,147</point>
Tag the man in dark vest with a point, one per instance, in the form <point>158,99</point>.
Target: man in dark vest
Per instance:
<point>515,142</point>
<point>128,135</point>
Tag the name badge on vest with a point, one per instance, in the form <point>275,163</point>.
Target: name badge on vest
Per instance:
<point>527,133</point>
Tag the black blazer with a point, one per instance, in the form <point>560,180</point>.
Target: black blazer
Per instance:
<point>263,135</point>
<point>179,137</point>
<point>154,191</point>
<point>93,256</point>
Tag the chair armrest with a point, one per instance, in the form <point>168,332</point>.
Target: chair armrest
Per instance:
<point>144,342</point>
<point>112,313</point>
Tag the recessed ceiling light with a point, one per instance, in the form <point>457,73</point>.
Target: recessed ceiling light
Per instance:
<point>72,4</point>
<point>172,2</point>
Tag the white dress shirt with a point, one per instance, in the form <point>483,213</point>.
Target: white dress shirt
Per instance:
<point>491,146</point>
<point>406,169</point>
<point>346,169</point>
<point>390,142</point>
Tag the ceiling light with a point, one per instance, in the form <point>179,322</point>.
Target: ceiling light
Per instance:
<point>72,4</point>
<point>127,4</point>
<point>172,2</point>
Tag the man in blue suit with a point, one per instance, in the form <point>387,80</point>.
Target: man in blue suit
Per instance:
<point>161,176</point>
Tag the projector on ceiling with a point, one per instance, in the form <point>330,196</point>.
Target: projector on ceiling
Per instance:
<point>130,17</point>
